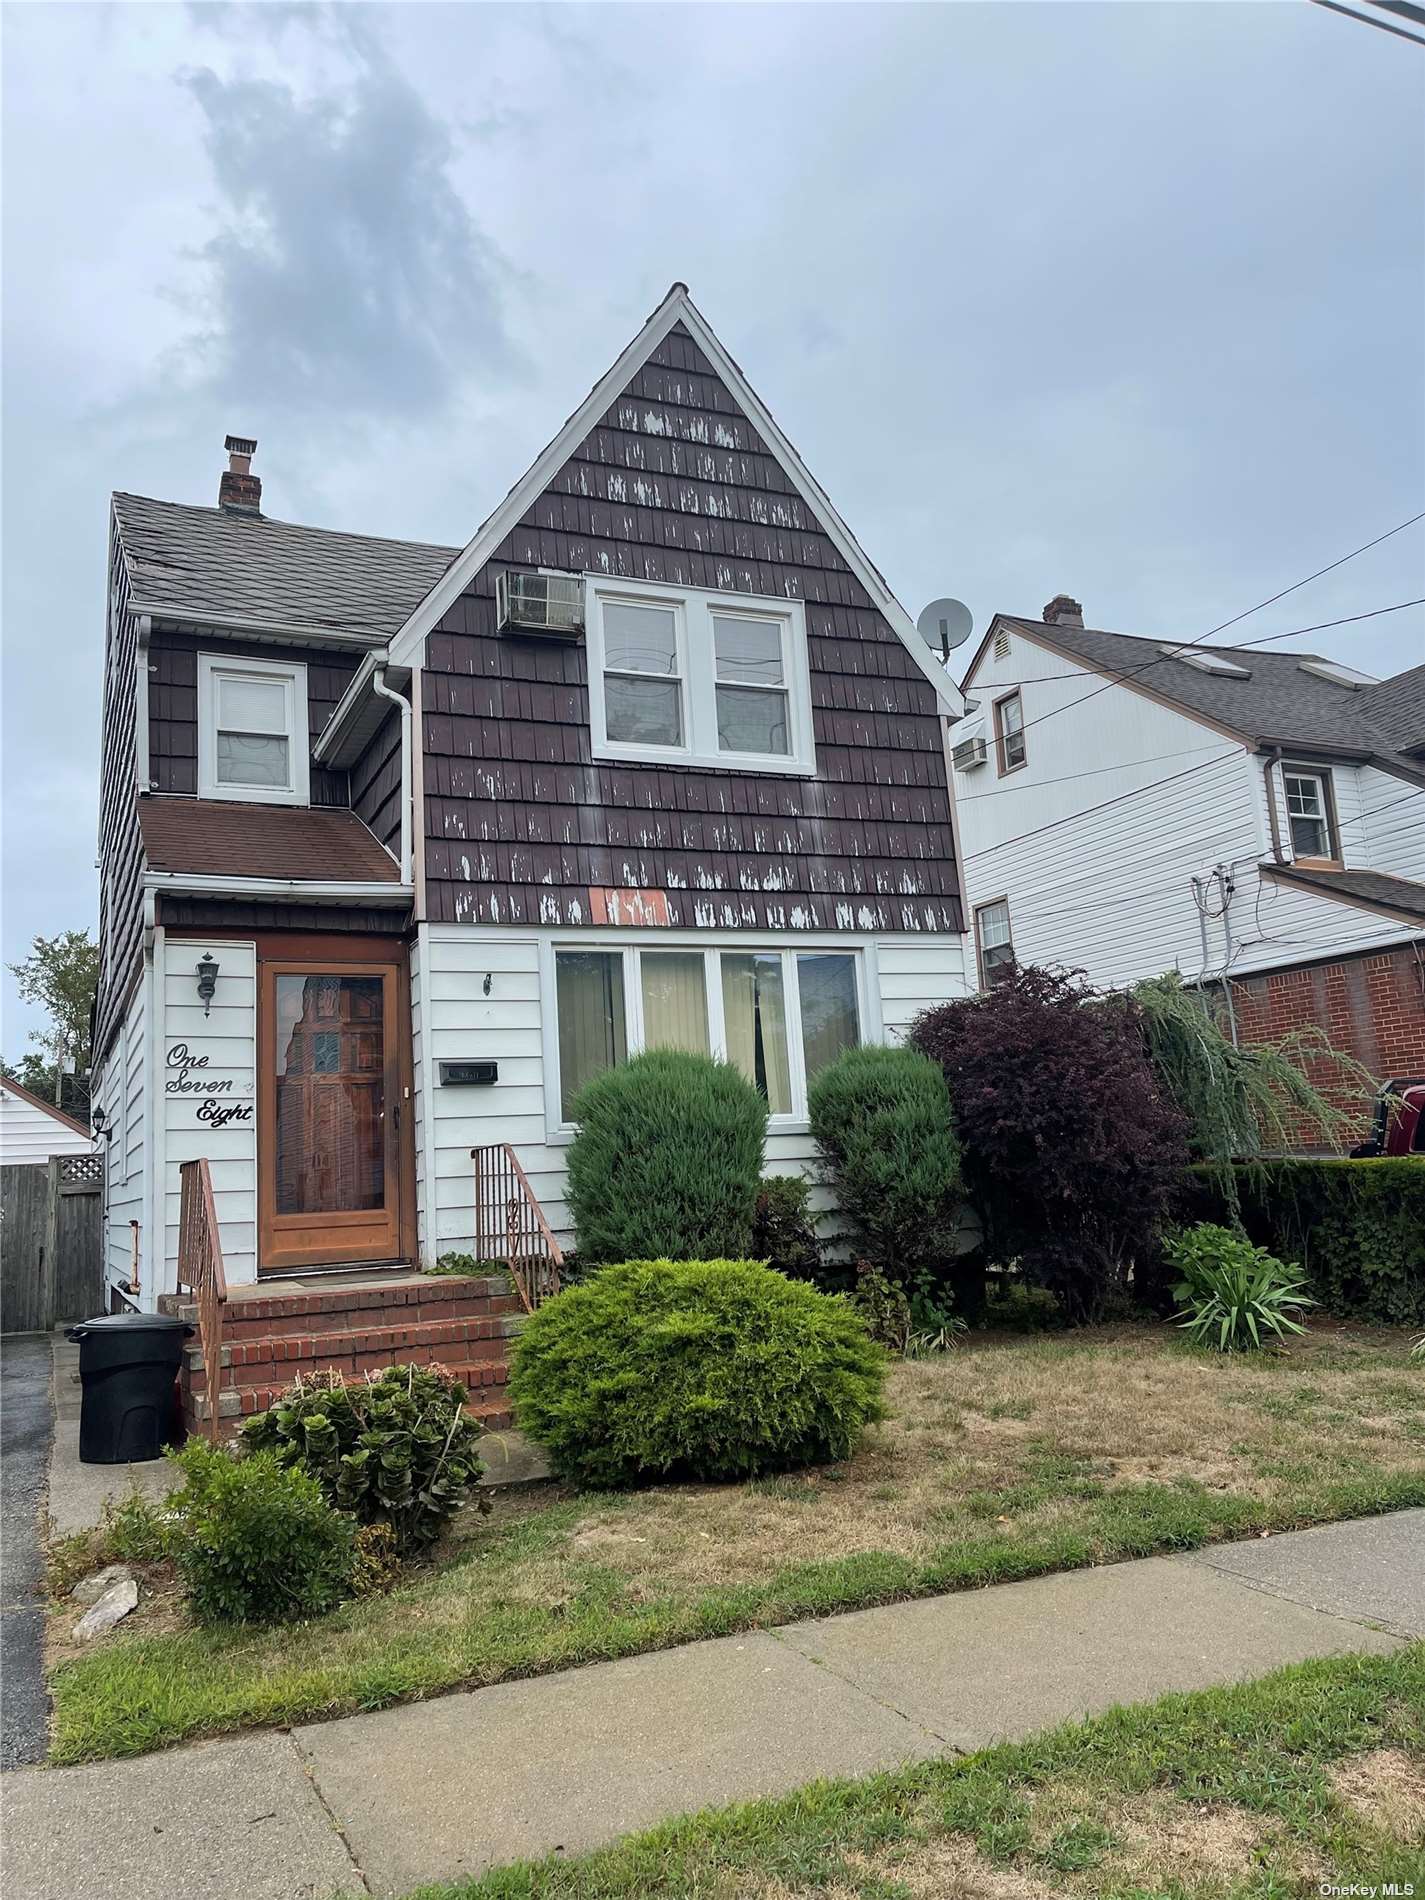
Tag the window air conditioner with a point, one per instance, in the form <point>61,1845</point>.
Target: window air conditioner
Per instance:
<point>541,603</point>
<point>970,753</point>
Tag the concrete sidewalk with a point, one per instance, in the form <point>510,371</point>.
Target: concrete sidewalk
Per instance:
<point>378,1803</point>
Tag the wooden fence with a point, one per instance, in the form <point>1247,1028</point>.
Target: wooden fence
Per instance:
<point>51,1243</point>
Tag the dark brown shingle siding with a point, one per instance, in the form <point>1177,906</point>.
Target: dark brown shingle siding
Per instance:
<point>676,485</point>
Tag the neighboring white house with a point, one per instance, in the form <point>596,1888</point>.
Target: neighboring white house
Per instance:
<point>1129,806</point>
<point>31,1130</point>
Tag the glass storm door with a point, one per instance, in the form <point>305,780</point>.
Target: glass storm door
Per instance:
<point>329,1160</point>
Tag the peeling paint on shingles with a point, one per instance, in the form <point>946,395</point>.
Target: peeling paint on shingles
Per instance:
<point>465,867</point>
<point>653,422</point>
<point>617,487</point>
<point>724,437</point>
<point>549,910</point>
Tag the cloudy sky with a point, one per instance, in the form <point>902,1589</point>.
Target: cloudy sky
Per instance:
<point>1123,299</point>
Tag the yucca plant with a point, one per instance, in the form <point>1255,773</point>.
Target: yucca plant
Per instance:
<point>1231,1293</point>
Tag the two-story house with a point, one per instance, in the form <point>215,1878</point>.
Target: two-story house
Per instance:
<point>1250,817</point>
<point>400,844</point>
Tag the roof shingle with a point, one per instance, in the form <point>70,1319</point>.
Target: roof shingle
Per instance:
<point>209,837</point>
<point>214,563</point>
<point>1399,894</point>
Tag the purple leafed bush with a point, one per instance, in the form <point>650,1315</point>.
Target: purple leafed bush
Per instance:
<point>1070,1152</point>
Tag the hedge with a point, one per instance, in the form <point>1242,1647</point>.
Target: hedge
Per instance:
<point>1356,1227</point>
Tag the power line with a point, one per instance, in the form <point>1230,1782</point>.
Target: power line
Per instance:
<point>1187,646</point>
<point>1366,20</point>
<point>1070,817</point>
<point>1156,758</point>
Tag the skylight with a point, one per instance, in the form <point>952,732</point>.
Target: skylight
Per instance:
<point>1206,661</point>
<point>1337,674</point>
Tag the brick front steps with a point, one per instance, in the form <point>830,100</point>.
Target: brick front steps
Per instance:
<point>464,1324</point>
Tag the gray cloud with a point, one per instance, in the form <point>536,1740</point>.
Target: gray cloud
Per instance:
<point>346,275</point>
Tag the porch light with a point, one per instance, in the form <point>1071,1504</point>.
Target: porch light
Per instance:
<point>207,967</point>
<point>99,1125</point>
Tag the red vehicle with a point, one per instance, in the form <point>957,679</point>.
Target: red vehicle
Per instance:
<point>1399,1121</point>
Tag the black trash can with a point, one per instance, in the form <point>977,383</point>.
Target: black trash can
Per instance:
<point>127,1365</point>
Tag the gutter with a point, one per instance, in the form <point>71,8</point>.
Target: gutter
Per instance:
<point>383,691</point>
<point>179,617</point>
<point>310,890</point>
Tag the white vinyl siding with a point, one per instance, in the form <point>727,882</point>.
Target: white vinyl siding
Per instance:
<point>28,1135</point>
<point>512,1024</point>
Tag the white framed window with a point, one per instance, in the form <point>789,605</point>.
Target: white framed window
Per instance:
<point>994,943</point>
<point>779,1014</point>
<point>1311,813</point>
<point>692,677</point>
<point>252,730</point>
<point>1010,749</point>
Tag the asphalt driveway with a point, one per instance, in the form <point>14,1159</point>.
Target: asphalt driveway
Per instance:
<point>26,1427</point>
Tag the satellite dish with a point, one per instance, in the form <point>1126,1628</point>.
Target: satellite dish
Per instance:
<point>945,625</point>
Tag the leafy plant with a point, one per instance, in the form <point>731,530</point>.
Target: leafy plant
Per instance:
<point>783,1230</point>
<point>1071,1153</point>
<point>1232,1292</point>
<point>1355,1226</point>
<point>934,1326</point>
<point>881,1118</point>
<point>377,1563</point>
<point>883,1305</point>
<point>257,1541</point>
<point>713,1370</point>
<point>395,1448</point>
<point>667,1161</point>
<point>139,1531</point>
<point>1242,1102</point>
<point>463,1263</point>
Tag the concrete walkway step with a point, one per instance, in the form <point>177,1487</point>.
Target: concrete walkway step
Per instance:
<point>444,1789</point>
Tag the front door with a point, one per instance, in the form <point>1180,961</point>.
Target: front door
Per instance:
<point>331,1106</point>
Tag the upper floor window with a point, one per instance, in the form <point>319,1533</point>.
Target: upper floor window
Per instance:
<point>779,1015</point>
<point>1311,813</point>
<point>252,730</point>
<point>994,943</point>
<point>1009,733</point>
<point>695,678</point>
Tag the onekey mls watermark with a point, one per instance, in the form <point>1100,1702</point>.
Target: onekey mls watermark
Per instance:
<point>1367,1889</point>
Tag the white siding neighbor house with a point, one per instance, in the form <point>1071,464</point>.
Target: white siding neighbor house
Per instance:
<point>31,1130</point>
<point>1253,819</point>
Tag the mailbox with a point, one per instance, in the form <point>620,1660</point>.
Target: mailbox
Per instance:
<point>457,1074</point>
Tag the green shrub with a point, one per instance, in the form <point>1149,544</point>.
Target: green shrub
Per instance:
<point>881,1118</point>
<point>667,1161</point>
<point>137,1530</point>
<point>1357,1228</point>
<point>783,1230</point>
<point>1231,1293</point>
<point>713,1370</point>
<point>883,1307</point>
<point>395,1448</point>
<point>257,1541</point>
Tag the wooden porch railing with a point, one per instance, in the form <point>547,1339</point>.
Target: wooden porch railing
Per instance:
<point>510,1226</point>
<point>200,1270</point>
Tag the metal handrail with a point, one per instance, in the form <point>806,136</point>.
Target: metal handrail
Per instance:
<point>200,1270</point>
<point>510,1227</point>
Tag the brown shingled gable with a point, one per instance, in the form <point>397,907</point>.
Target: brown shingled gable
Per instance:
<point>213,838</point>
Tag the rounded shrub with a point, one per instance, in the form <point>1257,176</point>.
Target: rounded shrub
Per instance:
<point>712,1370</point>
<point>667,1161</point>
<point>881,1118</point>
<point>256,1540</point>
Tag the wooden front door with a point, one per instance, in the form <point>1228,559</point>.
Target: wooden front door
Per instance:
<point>333,1111</point>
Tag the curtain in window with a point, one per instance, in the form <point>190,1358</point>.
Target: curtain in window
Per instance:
<point>755,1022</point>
<point>830,1019</point>
<point>675,1003</point>
<point>590,1005</point>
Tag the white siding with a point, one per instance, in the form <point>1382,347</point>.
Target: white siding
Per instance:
<point>122,1095</point>
<point>28,1135</point>
<point>457,1020</point>
<point>227,1036</point>
<point>1096,839</point>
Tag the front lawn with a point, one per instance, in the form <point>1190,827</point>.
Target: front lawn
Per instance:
<point>1003,1459</point>
<point>1308,1781</point>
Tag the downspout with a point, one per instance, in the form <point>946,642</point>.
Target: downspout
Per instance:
<point>143,769</point>
<point>379,686</point>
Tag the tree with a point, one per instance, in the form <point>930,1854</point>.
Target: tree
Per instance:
<point>61,975</point>
<point>1071,1153</point>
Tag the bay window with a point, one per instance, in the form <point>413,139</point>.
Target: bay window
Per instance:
<point>692,677</point>
<point>779,1015</point>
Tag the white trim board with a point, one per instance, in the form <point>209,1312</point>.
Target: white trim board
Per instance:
<point>677,307</point>
<point>309,890</point>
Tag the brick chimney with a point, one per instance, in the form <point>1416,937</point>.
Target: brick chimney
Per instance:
<point>240,491</point>
<point>1063,612</point>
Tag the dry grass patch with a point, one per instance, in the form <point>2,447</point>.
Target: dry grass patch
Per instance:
<point>1387,1789</point>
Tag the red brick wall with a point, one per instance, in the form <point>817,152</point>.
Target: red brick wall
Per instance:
<point>1372,1007</point>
